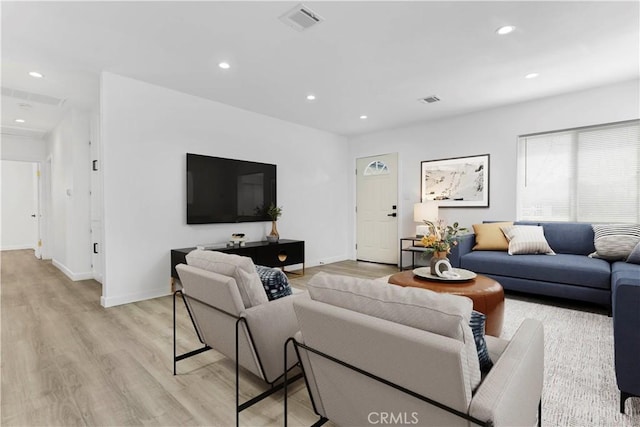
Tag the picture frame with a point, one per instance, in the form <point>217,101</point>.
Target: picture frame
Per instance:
<point>459,182</point>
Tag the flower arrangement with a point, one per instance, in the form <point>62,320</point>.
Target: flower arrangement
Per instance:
<point>442,236</point>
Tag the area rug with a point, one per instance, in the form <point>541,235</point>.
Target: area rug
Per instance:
<point>580,384</point>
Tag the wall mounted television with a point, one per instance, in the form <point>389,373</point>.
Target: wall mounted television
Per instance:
<point>223,190</point>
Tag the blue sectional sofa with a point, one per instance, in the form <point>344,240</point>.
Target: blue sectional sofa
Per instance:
<point>569,274</point>
<point>573,275</point>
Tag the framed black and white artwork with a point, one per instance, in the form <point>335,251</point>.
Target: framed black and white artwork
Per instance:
<point>460,182</point>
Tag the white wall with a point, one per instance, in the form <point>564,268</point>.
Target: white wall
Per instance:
<point>23,148</point>
<point>70,204</point>
<point>19,202</point>
<point>146,131</point>
<point>492,131</point>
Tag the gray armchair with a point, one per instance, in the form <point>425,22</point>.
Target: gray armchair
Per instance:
<point>253,336</point>
<point>365,369</point>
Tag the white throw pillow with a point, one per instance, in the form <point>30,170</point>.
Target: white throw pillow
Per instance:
<point>442,314</point>
<point>240,268</point>
<point>527,239</point>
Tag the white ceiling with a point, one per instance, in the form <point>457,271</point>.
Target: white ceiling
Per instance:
<point>373,58</point>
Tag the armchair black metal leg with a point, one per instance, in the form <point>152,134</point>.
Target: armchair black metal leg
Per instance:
<point>177,357</point>
<point>623,397</point>
<point>320,422</point>
<point>174,333</point>
<point>540,413</point>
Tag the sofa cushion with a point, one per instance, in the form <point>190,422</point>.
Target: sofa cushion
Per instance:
<point>240,268</point>
<point>563,268</point>
<point>442,314</point>
<point>275,282</point>
<point>623,270</point>
<point>489,236</point>
<point>615,241</point>
<point>569,237</point>
<point>526,239</point>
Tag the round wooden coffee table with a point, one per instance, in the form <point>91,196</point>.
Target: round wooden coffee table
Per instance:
<point>486,293</point>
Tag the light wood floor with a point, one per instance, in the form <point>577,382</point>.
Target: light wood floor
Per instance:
<point>68,361</point>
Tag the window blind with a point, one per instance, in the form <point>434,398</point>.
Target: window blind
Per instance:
<point>588,174</point>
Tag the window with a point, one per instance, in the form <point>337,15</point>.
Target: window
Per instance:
<point>376,167</point>
<point>588,174</point>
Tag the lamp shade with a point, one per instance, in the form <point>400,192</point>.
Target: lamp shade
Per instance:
<point>425,211</point>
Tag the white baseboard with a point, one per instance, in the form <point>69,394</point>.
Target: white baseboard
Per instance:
<point>330,260</point>
<point>140,296</point>
<point>17,247</point>
<point>70,274</point>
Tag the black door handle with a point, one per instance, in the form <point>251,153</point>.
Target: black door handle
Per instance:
<point>393,214</point>
<point>33,215</point>
<point>95,248</point>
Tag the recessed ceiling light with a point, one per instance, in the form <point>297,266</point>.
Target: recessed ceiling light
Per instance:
<point>505,30</point>
<point>19,120</point>
<point>311,97</point>
<point>531,76</point>
<point>363,117</point>
<point>224,65</point>
<point>36,74</point>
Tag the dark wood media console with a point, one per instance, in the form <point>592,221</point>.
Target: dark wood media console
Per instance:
<point>281,254</point>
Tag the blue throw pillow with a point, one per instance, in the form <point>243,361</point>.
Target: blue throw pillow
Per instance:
<point>634,256</point>
<point>477,326</point>
<point>274,281</point>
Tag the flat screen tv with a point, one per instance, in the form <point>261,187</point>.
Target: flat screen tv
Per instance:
<point>227,191</point>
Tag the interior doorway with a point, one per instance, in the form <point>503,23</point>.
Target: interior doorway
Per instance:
<point>20,206</point>
<point>377,208</point>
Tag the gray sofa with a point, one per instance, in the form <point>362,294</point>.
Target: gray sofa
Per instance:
<point>569,274</point>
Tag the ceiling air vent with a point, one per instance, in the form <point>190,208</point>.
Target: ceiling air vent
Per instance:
<point>32,97</point>
<point>301,18</point>
<point>429,99</point>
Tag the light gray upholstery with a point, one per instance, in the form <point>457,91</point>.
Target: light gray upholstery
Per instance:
<point>270,323</point>
<point>424,362</point>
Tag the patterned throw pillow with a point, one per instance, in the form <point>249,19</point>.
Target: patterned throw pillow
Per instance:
<point>477,327</point>
<point>615,242</point>
<point>527,239</point>
<point>275,282</point>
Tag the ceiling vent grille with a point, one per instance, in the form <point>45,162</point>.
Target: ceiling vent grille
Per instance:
<point>429,99</point>
<point>301,18</point>
<point>32,97</point>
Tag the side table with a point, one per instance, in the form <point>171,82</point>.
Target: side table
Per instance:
<point>415,248</point>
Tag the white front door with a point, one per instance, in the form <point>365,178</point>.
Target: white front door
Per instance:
<point>376,208</point>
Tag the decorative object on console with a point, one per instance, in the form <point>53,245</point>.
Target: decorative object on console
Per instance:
<point>615,242</point>
<point>274,213</point>
<point>457,182</point>
<point>527,239</point>
<point>425,211</point>
<point>237,239</point>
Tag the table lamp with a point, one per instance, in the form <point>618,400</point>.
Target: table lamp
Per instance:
<point>425,211</point>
